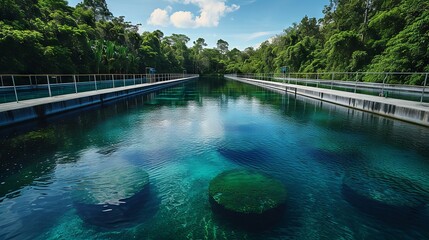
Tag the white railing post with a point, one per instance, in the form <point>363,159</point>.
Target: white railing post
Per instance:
<point>357,79</point>
<point>95,82</point>
<point>75,83</point>
<point>124,80</point>
<point>384,81</point>
<point>14,89</point>
<point>134,77</point>
<point>284,77</point>
<point>49,86</point>
<point>113,81</point>
<point>424,87</point>
<point>317,82</point>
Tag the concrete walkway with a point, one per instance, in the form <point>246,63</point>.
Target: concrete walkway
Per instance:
<point>410,111</point>
<point>14,112</point>
<point>40,101</point>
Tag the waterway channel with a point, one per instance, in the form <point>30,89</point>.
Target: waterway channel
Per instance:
<point>348,174</point>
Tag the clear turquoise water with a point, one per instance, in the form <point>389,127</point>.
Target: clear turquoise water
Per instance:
<point>183,137</point>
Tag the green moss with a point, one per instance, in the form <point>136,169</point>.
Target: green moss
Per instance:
<point>43,138</point>
<point>247,192</point>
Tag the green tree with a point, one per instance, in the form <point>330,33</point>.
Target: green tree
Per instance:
<point>222,46</point>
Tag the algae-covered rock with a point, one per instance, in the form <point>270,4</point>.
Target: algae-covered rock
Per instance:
<point>44,138</point>
<point>383,195</point>
<point>109,186</point>
<point>246,192</point>
<point>113,197</point>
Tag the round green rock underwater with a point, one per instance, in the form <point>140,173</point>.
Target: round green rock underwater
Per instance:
<point>112,196</point>
<point>249,197</point>
<point>383,196</point>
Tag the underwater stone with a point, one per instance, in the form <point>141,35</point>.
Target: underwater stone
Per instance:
<point>109,186</point>
<point>383,195</point>
<point>247,193</point>
<point>113,197</point>
<point>40,140</point>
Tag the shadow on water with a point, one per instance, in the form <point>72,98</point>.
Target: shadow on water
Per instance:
<point>252,157</point>
<point>339,160</point>
<point>131,211</point>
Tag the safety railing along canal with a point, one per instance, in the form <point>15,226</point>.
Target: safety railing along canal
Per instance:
<point>15,88</point>
<point>371,83</point>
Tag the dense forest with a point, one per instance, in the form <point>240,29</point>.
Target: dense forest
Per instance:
<point>48,36</point>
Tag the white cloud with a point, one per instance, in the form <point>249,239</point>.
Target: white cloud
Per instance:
<point>159,17</point>
<point>182,19</point>
<point>210,13</point>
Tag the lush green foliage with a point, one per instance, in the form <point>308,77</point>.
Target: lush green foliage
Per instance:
<point>48,36</point>
<point>38,36</point>
<point>354,35</point>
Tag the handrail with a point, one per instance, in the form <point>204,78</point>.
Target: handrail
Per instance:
<point>353,81</point>
<point>85,74</point>
<point>403,73</point>
<point>48,85</point>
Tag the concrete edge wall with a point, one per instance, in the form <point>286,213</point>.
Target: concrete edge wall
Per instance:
<point>40,111</point>
<point>407,114</point>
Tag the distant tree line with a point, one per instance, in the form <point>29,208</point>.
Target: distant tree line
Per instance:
<point>353,35</point>
<point>48,36</point>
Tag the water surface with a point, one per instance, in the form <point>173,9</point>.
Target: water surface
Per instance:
<point>182,138</point>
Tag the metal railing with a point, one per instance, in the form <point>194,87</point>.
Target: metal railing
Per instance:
<point>372,83</point>
<point>18,87</point>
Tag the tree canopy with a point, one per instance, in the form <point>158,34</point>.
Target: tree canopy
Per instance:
<point>48,36</point>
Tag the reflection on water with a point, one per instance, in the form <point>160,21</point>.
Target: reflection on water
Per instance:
<point>182,138</point>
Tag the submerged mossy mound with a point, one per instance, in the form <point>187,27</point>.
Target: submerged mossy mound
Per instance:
<point>109,186</point>
<point>383,195</point>
<point>247,194</point>
<point>39,141</point>
<point>112,197</point>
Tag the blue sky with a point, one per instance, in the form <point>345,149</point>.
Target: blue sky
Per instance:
<point>242,23</point>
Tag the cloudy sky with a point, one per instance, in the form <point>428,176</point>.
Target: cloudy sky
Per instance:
<point>242,23</point>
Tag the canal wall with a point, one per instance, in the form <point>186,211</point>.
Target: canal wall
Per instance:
<point>409,111</point>
<point>16,112</point>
